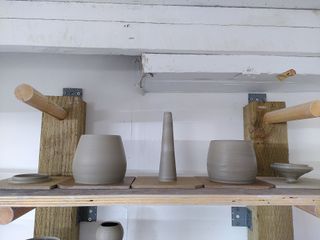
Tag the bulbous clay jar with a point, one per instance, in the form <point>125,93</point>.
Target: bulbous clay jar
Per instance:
<point>99,159</point>
<point>232,161</point>
<point>109,231</point>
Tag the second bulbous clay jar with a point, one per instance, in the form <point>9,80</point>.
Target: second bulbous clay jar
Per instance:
<point>232,161</point>
<point>99,159</point>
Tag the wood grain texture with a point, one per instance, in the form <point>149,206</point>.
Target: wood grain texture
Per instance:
<point>58,221</point>
<point>270,140</point>
<point>52,183</point>
<point>271,223</point>
<point>58,143</point>
<point>215,185</point>
<point>153,182</point>
<point>70,184</point>
<point>59,139</point>
<point>271,145</point>
<point>201,196</point>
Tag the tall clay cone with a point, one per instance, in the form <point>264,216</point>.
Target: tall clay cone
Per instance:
<point>167,171</point>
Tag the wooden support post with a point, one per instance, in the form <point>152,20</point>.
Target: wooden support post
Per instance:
<point>271,145</point>
<point>59,140</point>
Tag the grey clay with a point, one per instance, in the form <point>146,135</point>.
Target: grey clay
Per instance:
<point>167,170</point>
<point>232,161</point>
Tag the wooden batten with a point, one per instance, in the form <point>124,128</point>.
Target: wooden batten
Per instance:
<point>9,214</point>
<point>302,111</point>
<point>271,144</point>
<point>59,140</point>
<point>34,98</point>
<point>313,210</point>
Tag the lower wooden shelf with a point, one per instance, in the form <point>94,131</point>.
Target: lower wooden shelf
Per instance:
<point>67,198</point>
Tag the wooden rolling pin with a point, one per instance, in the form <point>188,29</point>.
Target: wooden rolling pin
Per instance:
<point>32,97</point>
<point>8,214</point>
<point>302,111</point>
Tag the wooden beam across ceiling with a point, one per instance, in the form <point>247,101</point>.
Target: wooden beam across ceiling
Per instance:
<point>284,4</point>
<point>127,29</point>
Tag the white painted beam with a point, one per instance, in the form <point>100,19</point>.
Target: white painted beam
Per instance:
<point>75,11</point>
<point>135,38</point>
<point>223,73</point>
<point>285,4</point>
<point>99,28</point>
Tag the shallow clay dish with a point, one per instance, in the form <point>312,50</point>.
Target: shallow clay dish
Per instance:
<point>291,171</point>
<point>29,178</point>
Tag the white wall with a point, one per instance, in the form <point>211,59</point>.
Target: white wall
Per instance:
<point>116,106</point>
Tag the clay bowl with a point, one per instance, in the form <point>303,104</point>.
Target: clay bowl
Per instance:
<point>232,161</point>
<point>291,171</point>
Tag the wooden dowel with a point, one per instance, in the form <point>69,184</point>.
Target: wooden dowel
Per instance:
<point>313,210</point>
<point>32,97</point>
<point>8,214</point>
<point>302,111</point>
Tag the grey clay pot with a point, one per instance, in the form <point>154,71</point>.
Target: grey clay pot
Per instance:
<point>167,169</point>
<point>232,161</point>
<point>99,159</point>
<point>109,231</point>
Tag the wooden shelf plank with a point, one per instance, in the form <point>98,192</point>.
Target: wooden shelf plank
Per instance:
<point>66,198</point>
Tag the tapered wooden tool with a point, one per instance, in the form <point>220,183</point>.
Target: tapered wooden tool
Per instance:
<point>9,214</point>
<point>302,111</point>
<point>32,97</point>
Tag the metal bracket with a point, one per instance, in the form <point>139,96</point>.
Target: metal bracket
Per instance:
<point>257,97</point>
<point>241,217</point>
<point>73,92</point>
<point>87,214</point>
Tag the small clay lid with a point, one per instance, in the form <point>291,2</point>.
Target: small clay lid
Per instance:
<point>29,178</point>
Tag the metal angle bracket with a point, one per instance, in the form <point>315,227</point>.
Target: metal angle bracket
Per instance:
<point>257,97</point>
<point>87,214</point>
<point>241,217</point>
<point>73,92</point>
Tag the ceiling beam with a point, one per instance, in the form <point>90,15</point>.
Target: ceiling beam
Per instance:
<point>283,4</point>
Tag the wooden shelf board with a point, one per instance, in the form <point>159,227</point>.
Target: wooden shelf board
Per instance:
<point>64,198</point>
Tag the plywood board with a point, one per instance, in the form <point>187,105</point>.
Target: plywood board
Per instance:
<point>52,183</point>
<point>70,184</point>
<point>215,185</point>
<point>153,183</point>
<point>304,183</point>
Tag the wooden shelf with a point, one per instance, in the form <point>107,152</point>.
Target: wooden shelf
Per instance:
<point>64,198</point>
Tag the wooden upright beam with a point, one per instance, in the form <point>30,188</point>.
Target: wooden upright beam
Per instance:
<point>59,139</point>
<point>271,145</point>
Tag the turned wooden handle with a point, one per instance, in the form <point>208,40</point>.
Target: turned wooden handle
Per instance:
<point>8,214</point>
<point>302,111</point>
<point>32,97</point>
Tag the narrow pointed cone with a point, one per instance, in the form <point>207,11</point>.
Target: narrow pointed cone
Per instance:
<point>167,170</point>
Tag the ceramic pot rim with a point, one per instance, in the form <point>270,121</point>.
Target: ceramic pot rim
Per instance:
<point>100,135</point>
<point>110,224</point>
<point>229,140</point>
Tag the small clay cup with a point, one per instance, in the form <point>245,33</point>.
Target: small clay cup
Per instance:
<point>232,161</point>
<point>99,159</point>
<point>109,231</point>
